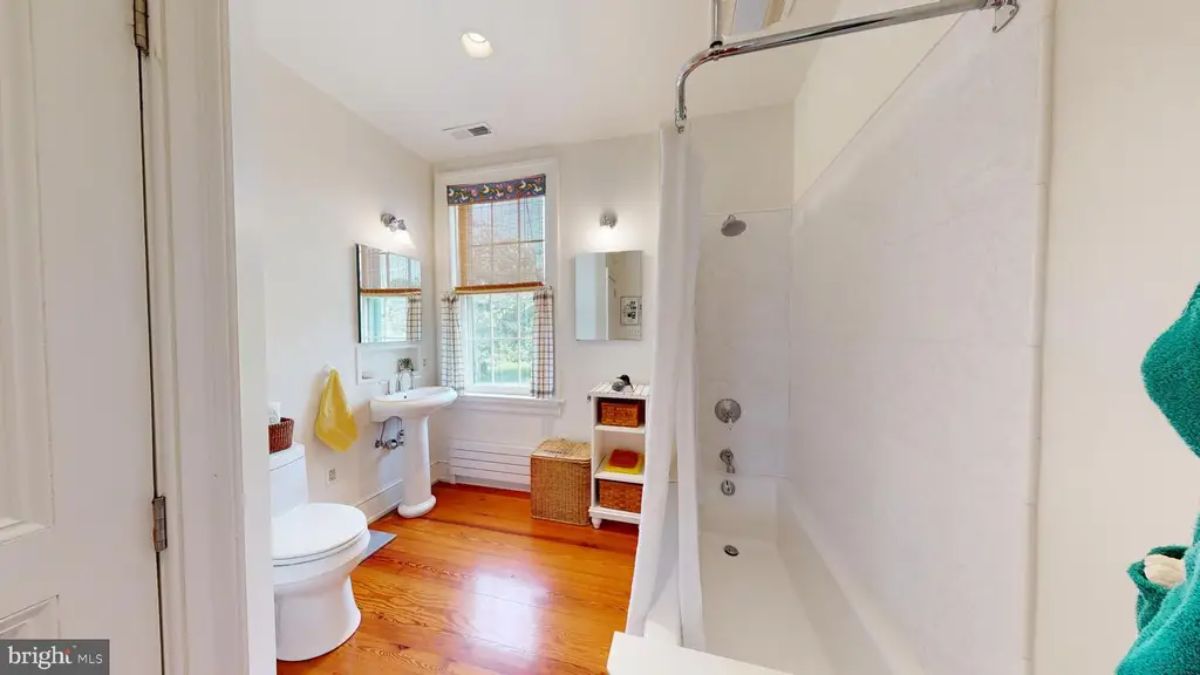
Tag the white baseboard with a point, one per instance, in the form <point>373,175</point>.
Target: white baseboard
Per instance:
<point>500,465</point>
<point>440,471</point>
<point>857,636</point>
<point>467,478</point>
<point>383,502</point>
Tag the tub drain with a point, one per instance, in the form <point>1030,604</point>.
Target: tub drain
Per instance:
<point>731,550</point>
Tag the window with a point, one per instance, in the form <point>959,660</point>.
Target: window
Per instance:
<point>500,245</point>
<point>499,329</point>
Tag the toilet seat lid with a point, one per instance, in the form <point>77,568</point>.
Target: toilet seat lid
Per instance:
<point>309,530</point>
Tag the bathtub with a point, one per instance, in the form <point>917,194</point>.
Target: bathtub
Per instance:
<point>752,610</point>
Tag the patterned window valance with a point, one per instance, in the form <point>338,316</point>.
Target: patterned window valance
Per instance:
<point>479,193</point>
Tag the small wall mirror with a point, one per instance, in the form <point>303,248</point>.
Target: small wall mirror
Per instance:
<point>608,296</point>
<point>389,296</point>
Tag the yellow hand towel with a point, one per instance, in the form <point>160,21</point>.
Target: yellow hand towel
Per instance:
<point>335,423</point>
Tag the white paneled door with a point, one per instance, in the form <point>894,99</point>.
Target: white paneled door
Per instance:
<point>76,454</point>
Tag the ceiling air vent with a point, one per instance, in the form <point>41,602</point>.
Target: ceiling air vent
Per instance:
<point>469,131</point>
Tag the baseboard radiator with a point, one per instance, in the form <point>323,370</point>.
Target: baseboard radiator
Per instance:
<point>489,463</point>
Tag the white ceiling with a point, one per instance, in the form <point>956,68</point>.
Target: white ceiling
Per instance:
<point>563,70</point>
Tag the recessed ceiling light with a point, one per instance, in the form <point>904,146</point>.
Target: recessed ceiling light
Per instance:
<point>476,46</point>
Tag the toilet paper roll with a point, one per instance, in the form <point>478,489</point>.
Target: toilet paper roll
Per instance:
<point>274,412</point>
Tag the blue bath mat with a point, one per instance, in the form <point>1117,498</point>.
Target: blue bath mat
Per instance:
<point>378,541</point>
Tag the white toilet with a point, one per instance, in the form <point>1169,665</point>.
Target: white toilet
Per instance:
<point>314,547</point>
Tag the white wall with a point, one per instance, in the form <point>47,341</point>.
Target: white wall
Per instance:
<point>618,174</point>
<point>849,79</point>
<point>249,238</point>
<point>313,180</point>
<point>1116,480</point>
<point>746,158</point>
<point>915,299</point>
<point>747,168</point>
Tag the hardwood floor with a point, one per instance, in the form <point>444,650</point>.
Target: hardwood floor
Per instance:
<point>478,586</point>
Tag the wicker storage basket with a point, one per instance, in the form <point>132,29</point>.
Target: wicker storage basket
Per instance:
<point>622,413</point>
<point>620,496</point>
<point>559,471</point>
<point>279,436</point>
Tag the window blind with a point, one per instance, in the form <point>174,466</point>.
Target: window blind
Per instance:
<point>501,229</point>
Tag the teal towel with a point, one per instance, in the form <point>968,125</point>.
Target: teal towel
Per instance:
<point>1172,373</point>
<point>1150,594</point>
<point>1168,641</point>
<point>1168,621</point>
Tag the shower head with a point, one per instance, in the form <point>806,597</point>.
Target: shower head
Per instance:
<point>733,226</point>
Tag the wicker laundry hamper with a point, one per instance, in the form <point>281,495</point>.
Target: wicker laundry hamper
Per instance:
<point>560,474</point>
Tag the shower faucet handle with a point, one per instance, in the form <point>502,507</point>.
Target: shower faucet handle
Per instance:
<point>727,457</point>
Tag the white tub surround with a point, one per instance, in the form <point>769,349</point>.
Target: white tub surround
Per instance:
<point>742,342</point>
<point>916,350</point>
<point>854,636</point>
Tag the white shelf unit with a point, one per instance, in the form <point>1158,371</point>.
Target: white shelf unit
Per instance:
<point>638,479</point>
<point>605,439</point>
<point>641,431</point>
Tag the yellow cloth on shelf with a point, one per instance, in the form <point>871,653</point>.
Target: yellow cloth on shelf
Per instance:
<point>635,470</point>
<point>335,422</point>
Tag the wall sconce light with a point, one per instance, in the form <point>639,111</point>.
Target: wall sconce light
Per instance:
<point>397,228</point>
<point>608,219</point>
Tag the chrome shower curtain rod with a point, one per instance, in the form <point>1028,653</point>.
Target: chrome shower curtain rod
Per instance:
<point>1006,10</point>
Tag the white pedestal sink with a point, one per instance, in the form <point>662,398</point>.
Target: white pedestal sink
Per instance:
<point>414,407</point>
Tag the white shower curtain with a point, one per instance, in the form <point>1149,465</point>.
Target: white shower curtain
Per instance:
<point>671,424</point>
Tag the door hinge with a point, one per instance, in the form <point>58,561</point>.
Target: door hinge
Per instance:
<point>159,505</point>
<point>141,27</point>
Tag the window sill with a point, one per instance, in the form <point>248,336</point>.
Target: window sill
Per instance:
<point>513,405</point>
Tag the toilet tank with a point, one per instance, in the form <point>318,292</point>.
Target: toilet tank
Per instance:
<point>289,480</point>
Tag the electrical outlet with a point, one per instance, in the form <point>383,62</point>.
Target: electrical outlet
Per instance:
<point>331,477</point>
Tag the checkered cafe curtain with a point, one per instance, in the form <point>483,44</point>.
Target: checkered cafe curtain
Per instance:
<point>412,319</point>
<point>452,343</point>
<point>542,385</point>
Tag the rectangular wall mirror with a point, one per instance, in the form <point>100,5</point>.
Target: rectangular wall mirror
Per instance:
<point>389,296</point>
<point>608,296</point>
